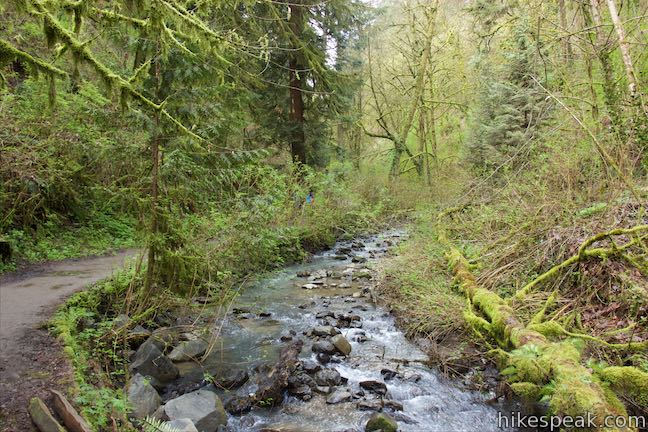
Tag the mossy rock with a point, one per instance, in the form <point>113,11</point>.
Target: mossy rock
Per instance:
<point>381,422</point>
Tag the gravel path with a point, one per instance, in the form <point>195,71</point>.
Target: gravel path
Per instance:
<point>31,361</point>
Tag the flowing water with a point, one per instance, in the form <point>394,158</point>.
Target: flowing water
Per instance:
<point>275,306</point>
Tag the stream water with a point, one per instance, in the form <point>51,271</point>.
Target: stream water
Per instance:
<point>279,306</point>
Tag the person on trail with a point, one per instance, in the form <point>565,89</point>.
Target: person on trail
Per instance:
<point>310,198</point>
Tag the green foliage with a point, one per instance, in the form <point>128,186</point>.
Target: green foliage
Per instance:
<point>82,328</point>
<point>508,109</point>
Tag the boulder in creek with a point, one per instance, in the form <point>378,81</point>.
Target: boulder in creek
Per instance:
<point>324,346</point>
<point>149,361</point>
<point>328,377</point>
<point>302,392</point>
<point>310,367</point>
<point>381,422</point>
<point>374,386</point>
<point>393,405</point>
<point>340,257</point>
<point>358,259</point>
<point>182,425</point>
<point>309,286</point>
<point>188,350</point>
<point>364,274</point>
<point>339,396</point>
<point>300,379</point>
<point>232,379</point>
<point>323,358</point>
<point>325,331</point>
<point>341,344</point>
<point>143,398</point>
<point>202,407</point>
<point>369,405</point>
<point>388,373</point>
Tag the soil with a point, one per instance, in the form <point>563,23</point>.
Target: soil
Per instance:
<point>31,359</point>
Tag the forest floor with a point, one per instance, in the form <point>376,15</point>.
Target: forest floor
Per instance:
<point>31,359</point>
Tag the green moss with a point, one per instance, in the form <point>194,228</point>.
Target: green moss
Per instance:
<point>629,382</point>
<point>527,391</point>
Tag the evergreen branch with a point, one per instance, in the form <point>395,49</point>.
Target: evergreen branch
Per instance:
<point>9,52</point>
<point>109,77</point>
<point>114,16</point>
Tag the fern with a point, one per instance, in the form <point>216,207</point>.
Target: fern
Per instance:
<point>154,425</point>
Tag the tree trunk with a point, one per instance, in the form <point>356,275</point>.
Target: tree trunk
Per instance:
<point>593,16</point>
<point>565,43</point>
<point>297,136</point>
<point>155,168</point>
<point>624,48</point>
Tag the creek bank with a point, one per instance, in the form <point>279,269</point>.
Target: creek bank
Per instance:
<point>321,356</point>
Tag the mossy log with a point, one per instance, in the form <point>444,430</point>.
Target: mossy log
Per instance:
<point>535,360</point>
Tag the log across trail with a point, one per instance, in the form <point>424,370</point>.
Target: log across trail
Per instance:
<point>30,359</point>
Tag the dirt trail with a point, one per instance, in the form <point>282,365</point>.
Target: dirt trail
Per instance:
<point>30,359</point>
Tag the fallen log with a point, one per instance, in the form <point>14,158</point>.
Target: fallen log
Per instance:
<point>73,421</point>
<point>271,383</point>
<point>42,417</point>
<point>534,361</point>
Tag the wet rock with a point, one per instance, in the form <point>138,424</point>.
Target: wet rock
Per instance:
<point>265,314</point>
<point>344,285</point>
<point>358,259</point>
<point>356,294</point>
<point>339,396</point>
<point>323,358</point>
<point>381,422</point>
<point>325,331</point>
<point>399,416</point>
<point>388,373</point>
<point>414,378</point>
<point>309,286</point>
<point>374,386</point>
<point>246,316</point>
<point>328,377</point>
<point>303,273</point>
<point>182,425</point>
<point>341,344</point>
<point>393,405</point>
<point>238,405</point>
<point>202,407</point>
<point>188,350</point>
<point>344,250</point>
<point>286,337</point>
<point>307,305</point>
<point>324,314</point>
<point>322,390</point>
<point>302,392</point>
<point>310,367</point>
<point>241,310</point>
<point>300,379</point>
<point>340,257</point>
<point>324,346</point>
<point>369,405</point>
<point>149,361</point>
<point>232,379</point>
<point>143,398</point>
